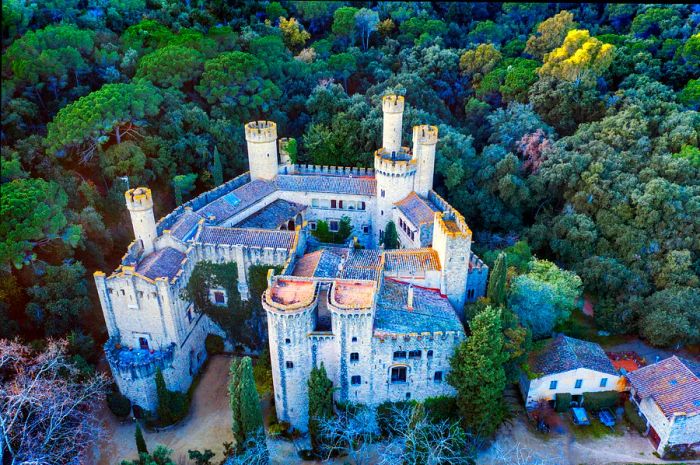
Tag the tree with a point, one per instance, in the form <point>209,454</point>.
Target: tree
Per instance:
<point>172,405</point>
<point>294,35</point>
<point>247,420</point>
<point>550,34</point>
<point>115,110</point>
<point>391,236</point>
<point>141,446</point>
<point>254,452</point>
<point>478,375</point>
<point>217,171</point>
<point>183,184</point>
<point>366,21</point>
<point>579,57</point>
<point>320,404</point>
<point>344,22</point>
<point>479,61</point>
<point>343,65</point>
<point>671,317</point>
<point>171,66</point>
<point>496,291</point>
<point>34,215</point>
<point>125,159</point>
<point>47,412</point>
<point>160,456</point>
<point>351,433</point>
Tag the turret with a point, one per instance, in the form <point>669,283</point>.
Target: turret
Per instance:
<point>452,240</point>
<point>392,105</point>
<point>424,140</point>
<point>261,137</point>
<point>140,204</point>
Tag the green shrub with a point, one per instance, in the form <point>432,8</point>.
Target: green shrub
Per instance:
<point>214,344</point>
<point>634,418</point>
<point>600,400</point>
<point>119,404</point>
<point>563,401</point>
<point>442,408</point>
<point>172,405</point>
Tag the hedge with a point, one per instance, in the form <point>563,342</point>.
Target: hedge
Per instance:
<point>119,404</point>
<point>214,344</point>
<point>634,418</point>
<point>600,400</point>
<point>563,401</point>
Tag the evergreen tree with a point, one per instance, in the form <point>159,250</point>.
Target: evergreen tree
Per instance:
<point>478,375</point>
<point>245,404</point>
<point>140,441</point>
<point>497,282</point>
<point>235,401</point>
<point>391,236</point>
<point>320,403</point>
<point>172,406</point>
<point>217,172</point>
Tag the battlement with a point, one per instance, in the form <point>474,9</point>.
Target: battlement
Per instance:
<point>290,293</point>
<point>137,363</point>
<point>261,131</point>
<point>394,163</point>
<point>139,198</point>
<point>452,224</point>
<point>425,134</point>
<point>393,103</point>
<point>326,170</point>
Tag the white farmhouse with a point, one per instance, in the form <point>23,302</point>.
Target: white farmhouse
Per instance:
<point>568,366</point>
<point>667,396</point>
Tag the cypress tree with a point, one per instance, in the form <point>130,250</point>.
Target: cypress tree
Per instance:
<point>217,171</point>
<point>478,375</point>
<point>163,409</point>
<point>247,420</point>
<point>140,441</point>
<point>320,403</point>
<point>496,291</point>
<point>235,400</point>
<point>391,236</point>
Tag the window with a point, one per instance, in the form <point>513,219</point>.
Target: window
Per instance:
<point>430,353</point>
<point>398,375</point>
<point>333,225</point>
<point>355,380</point>
<point>552,385</point>
<point>290,364</point>
<point>383,194</point>
<point>334,203</point>
<point>287,341</point>
<point>140,294</point>
<point>219,297</point>
<point>408,395</point>
<point>315,203</point>
<point>143,343</point>
<point>110,290</point>
<point>189,315</point>
<point>362,206</point>
<point>340,204</point>
<point>579,383</point>
<point>365,229</point>
<point>123,293</point>
<point>414,354</point>
<point>354,339</point>
<point>437,377</point>
<point>399,354</point>
<point>354,357</point>
<point>603,382</point>
<point>470,294</point>
<point>312,225</point>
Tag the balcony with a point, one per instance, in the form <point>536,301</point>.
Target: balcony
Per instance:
<point>137,363</point>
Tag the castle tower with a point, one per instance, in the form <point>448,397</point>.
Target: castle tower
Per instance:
<point>140,204</point>
<point>392,105</point>
<point>262,149</point>
<point>452,240</point>
<point>424,140</point>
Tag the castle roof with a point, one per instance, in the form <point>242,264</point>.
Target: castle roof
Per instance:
<point>237,200</point>
<point>247,237</point>
<point>186,225</point>
<point>431,311</point>
<point>671,383</point>
<point>405,262</point>
<point>563,353</point>
<point>330,184</point>
<point>163,263</point>
<point>416,209</point>
<point>273,216</point>
<point>362,264</point>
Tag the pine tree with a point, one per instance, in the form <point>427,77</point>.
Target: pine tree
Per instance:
<point>217,171</point>
<point>497,282</point>
<point>391,236</point>
<point>140,441</point>
<point>320,403</point>
<point>478,375</point>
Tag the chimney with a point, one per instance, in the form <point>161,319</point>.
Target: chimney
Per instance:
<point>410,297</point>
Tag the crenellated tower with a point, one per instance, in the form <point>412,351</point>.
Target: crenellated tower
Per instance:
<point>424,140</point>
<point>452,240</point>
<point>139,202</point>
<point>261,137</point>
<point>392,106</point>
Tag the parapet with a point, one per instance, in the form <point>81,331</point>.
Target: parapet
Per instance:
<point>139,198</point>
<point>394,163</point>
<point>261,131</point>
<point>452,224</point>
<point>425,134</point>
<point>393,103</point>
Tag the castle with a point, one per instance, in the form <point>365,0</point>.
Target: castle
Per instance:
<point>383,322</point>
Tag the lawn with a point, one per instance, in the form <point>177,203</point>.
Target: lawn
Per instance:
<point>596,429</point>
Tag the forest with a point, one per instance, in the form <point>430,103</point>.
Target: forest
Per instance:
<point>568,131</point>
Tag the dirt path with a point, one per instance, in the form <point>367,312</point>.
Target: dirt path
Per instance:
<point>207,426</point>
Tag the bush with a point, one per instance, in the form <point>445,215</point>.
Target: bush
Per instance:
<point>563,401</point>
<point>600,400</point>
<point>172,405</point>
<point>214,344</point>
<point>119,404</point>
<point>442,408</point>
<point>634,418</point>
<point>385,415</point>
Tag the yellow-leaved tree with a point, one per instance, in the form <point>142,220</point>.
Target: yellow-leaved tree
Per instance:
<point>580,57</point>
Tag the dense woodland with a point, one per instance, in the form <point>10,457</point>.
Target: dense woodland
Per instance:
<point>568,132</point>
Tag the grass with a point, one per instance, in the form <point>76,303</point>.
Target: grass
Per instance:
<point>596,429</point>
<point>581,326</point>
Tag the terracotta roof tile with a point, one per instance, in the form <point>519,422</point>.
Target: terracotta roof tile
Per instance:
<point>563,353</point>
<point>410,261</point>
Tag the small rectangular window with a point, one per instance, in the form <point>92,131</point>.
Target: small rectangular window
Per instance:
<point>579,383</point>
<point>398,375</point>
<point>189,315</point>
<point>365,229</point>
<point>289,364</point>
<point>408,395</point>
<point>399,354</point>
<point>354,357</point>
<point>437,377</point>
<point>340,204</point>
<point>552,385</point>
<point>334,203</point>
<point>354,339</point>
<point>314,203</point>
<point>355,380</point>
<point>603,382</point>
<point>430,353</point>
<point>287,341</point>
<point>414,354</point>
<point>312,225</point>
<point>143,343</point>
<point>383,193</point>
<point>362,206</point>
<point>219,297</point>
<point>333,226</point>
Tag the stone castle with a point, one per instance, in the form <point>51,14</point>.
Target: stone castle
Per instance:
<point>383,322</point>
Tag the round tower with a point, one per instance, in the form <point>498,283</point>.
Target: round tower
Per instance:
<point>392,105</point>
<point>395,173</point>
<point>424,140</point>
<point>139,202</point>
<point>261,137</point>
